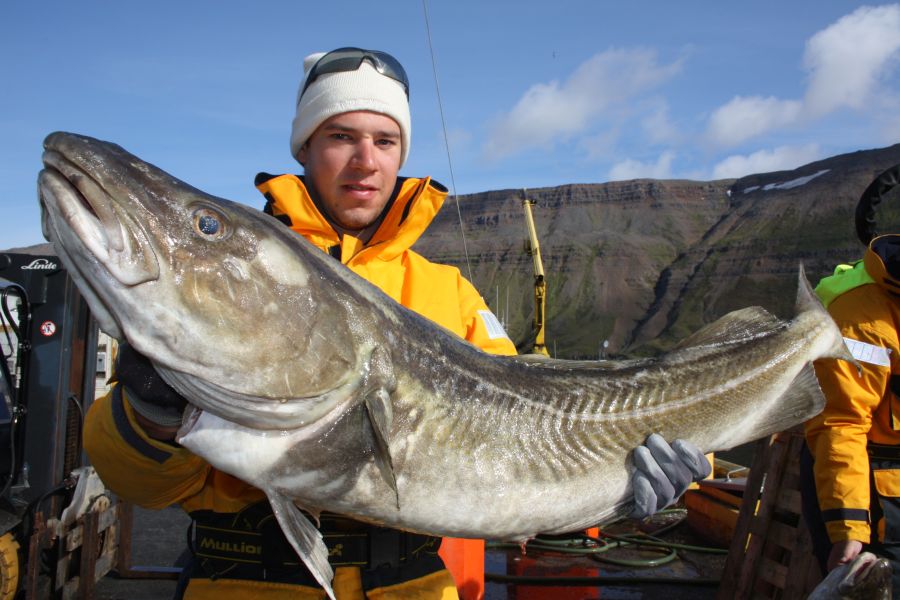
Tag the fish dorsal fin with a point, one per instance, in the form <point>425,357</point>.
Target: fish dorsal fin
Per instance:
<point>742,324</point>
<point>304,538</point>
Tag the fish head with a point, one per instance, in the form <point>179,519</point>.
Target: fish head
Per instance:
<point>218,295</point>
<point>867,577</point>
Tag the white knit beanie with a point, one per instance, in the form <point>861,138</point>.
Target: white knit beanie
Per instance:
<point>346,91</point>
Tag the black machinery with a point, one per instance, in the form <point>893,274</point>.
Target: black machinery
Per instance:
<point>49,372</point>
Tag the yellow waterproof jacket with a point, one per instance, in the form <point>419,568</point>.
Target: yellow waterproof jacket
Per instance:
<point>156,474</point>
<point>859,407</point>
<point>435,291</point>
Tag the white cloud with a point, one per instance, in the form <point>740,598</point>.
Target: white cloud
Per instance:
<point>778,159</point>
<point>459,140</point>
<point>847,58</point>
<point>633,169</point>
<point>743,118</point>
<point>658,128</point>
<point>845,61</point>
<point>551,112</point>
<point>601,146</point>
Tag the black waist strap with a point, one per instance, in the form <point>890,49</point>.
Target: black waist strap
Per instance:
<point>254,537</point>
<point>883,452</point>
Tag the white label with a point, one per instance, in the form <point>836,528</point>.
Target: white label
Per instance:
<point>493,326</point>
<point>867,353</point>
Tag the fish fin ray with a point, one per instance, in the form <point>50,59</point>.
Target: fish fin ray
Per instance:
<point>304,538</point>
<point>737,325</point>
<point>377,400</point>
<point>316,515</point>
<point>378,406</point>
<point>802,400</point>
<point>607,516</point>
<point>808,301</point>
<point>806,297</point>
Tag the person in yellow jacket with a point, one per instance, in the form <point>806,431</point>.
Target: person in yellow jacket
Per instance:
<point>351,134</point>
<point>855,441</point>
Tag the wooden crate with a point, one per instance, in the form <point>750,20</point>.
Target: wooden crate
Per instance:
<point>712,513</point>
<point>771,554</point>
<point>84,552</point>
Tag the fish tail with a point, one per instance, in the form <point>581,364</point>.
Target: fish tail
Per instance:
<point>808,303</point>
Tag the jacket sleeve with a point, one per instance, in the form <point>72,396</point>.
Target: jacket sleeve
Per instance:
<point>838,436</point>
<point>139,469</point>
<point>482,328</point>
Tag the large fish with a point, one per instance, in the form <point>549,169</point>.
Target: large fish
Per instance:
<point>314,386</point>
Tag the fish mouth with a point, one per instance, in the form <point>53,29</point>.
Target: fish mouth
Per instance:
<point>89,234</point>
<point>119,242</point>
<point>60,197</point>
<point>863,569</point>
<point>68,192</point>
<point>866,570</point>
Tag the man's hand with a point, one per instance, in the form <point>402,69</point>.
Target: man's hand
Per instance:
<point>664,472</point>
<point>158,407</point>
<point>843,552</point>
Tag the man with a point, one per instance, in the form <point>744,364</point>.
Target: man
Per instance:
<point>351,134</point>
<point>855,441</point>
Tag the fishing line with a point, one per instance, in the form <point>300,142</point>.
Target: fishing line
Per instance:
<point>437,88</point>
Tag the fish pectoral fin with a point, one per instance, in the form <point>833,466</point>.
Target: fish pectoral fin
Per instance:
<point>305,539</point>
<point>378,407</point>
<point>380,382</point>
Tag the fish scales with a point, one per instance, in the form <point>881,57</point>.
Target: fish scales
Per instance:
<point>361,407</point>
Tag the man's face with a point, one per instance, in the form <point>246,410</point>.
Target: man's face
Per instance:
<point>351,161</point>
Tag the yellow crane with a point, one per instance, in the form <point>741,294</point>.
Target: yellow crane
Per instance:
<point>533,249</point>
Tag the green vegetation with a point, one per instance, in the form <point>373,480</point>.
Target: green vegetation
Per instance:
<point>644,264</point>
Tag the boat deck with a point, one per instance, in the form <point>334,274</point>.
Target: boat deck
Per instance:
<point>689,574</point>
<point>159,538</point>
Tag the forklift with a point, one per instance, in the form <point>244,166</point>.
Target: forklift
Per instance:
<point>57,521</point>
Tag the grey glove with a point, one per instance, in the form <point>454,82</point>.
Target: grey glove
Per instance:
<point>663,473</point>
<point>146,391</point>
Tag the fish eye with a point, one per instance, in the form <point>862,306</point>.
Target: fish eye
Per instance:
<point>209,224</point>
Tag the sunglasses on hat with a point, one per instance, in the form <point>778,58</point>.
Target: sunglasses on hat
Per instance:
<point>350,59</point>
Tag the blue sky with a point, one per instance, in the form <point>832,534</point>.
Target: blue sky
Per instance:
<point>534,94</point>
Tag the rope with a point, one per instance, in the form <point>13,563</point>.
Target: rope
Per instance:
<point>437,88</point>
<point>598,549</point>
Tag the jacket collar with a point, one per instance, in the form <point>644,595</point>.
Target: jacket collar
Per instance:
<point>414,206</point>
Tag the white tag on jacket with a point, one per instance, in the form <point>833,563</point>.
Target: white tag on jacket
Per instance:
<point>868,353</point>
<point>494,328</point>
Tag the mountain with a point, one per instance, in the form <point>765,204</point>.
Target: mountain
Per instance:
<point>642,264</point>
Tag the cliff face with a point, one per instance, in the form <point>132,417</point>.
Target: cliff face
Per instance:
<point>641,264</point>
